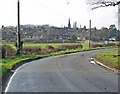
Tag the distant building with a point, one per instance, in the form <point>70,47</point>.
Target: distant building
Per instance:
<point>69,24</point>
<point>75,25</point>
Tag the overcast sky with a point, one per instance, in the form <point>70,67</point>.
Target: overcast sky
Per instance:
<point>56,13</point>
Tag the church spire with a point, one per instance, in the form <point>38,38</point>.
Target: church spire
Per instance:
<point>69,24</point>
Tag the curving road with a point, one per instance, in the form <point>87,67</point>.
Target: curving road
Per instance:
<point>64,73</point>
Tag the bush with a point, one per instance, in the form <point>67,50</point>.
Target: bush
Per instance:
<point>31,50</point>
<point>68,47</point>
<point>111,44</point>
<point>44,51</point>
<point>7,51</point>
<point>3,52</point>
<point>118,44</point>
<point>97,45</point>
<point>0,51</point>
<point>49,49</point>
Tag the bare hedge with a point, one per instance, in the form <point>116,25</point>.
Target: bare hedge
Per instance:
<point>68,47</point>
<point>103,45</point>
<point>31,50</point>
<point>7,51</point>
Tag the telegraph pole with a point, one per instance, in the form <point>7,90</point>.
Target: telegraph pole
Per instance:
<point>89,33</point>
<point>18,28</point>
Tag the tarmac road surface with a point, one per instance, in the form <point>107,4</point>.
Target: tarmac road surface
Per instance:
<point>64,73</point>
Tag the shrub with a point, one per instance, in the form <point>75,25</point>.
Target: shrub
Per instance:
<point>7,51</point>
<point>111,44</point>
<point>68,47</point>
<point>31,50</point>
<point>97,45</point>
<point>118,44</point>
<point>62,48</point>
<point>44,51</point>
<point>1,52</point>
<point>50,47</point>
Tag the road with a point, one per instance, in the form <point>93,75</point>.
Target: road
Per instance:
<point>64,73</point>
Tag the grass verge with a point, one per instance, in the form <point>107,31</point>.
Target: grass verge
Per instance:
<point>110,58</point>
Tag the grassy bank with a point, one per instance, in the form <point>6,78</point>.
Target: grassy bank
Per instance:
<point>7,63</point>
<point>110,58</point>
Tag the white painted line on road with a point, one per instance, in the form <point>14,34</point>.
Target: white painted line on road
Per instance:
<point>15,71</point>
<point>92,62</point>
<point>8,85</point>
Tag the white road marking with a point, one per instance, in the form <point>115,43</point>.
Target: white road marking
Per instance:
<point>92,62</point>
<point>15,71</point>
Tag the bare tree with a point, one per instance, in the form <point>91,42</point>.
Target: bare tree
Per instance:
<point>102,3</point>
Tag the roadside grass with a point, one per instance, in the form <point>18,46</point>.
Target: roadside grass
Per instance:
<point>85,46</point>
<point>110,58</point>
<point>6,64</point>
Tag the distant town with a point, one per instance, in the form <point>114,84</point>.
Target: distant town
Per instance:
<point>47,33</point>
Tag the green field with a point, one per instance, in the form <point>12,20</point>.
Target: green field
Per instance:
<point>109,58</point>
<point>42,45</point>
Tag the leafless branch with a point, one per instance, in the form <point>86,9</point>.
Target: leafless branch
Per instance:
<point>98,7</point>
<point>103,3</point>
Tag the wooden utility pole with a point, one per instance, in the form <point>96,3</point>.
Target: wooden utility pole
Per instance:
<point>89,33</point>
<point>18,29</point>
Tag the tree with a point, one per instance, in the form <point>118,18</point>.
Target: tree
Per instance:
<point>74,38</point>
<point>2,26</point>
<point>113,31</point>
<point>105,3</point>
<point>102,3</point>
